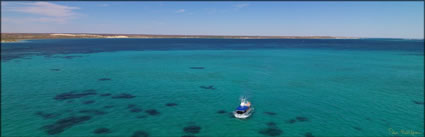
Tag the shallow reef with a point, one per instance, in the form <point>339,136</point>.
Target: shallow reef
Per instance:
<point>297,119</point>
<point>105,94</point>
<point>104,79</point>
<point>62,124</point>
<point>63,57</point>
<point>221,112</point>
<point>308,134</point>
<point>93,112</point>
<point>55,69</point>
<point>88,102</point>
<point>140,133</point>
<point>171,104</point>
<point>301,119</point>
<point>271,131</point>
<point>72,95</point>
<point>188,136</point>
<point>358,128</point>
<point>208,87</point>
<point>197,67</point>
<point>70,57</point>
<point>108,106</point>
<point>123,96</point>
<point>270,113</point>
<point>192,129</point>
<point>89,90</point>
<point>102,131</point>
<point>418,102</point>
<point>47,115</point>
<point>131,105</point>
<point>152,112</point>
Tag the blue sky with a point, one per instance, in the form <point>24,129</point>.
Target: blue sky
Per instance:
<point>357,19</point>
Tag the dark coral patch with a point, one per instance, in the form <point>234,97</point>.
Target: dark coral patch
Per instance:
<point>270,113</point>
<point>188,136</point>
<point>135,110</point>
<point>90,90</point>
<point>92,111</point>
<point>88,102</point>
<point>197,67</point>
<point>358,128</point>
<point>271,124</point>
<point>108,106</point>
<point>62,124</point>
<point>192,129</point>
<point>47,115</point>
<point>302,119</point>
<point>123,96</point>
<point>271,131</point>
<point>171,104</point>
<point>70,57</point>
<point>140,134</point>
<point>55,69</point>
<point>221,112</point>
<point>291,121</point>
<point>152,112</point>
<point>72,95</point>
<point>418,102</point>
<point>105,94</point>
<point>102,131</point>
<point>104,79</point>
<point>208,87</point>
<point>308,134</point>
<point>131,105</point>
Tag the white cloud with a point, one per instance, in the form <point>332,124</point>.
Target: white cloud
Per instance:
<point>46,11</point>
<point>43,8</point>
<point>240,6</point>
<point>180,11</point>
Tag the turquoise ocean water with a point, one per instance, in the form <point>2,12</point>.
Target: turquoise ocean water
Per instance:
<point>295,91</point>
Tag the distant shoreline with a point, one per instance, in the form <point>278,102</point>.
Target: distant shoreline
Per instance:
<point>16,37</point>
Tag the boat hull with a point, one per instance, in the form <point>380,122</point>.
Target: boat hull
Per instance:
<point>244,115</point>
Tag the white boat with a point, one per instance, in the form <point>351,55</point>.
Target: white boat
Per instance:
<point>244,110</point>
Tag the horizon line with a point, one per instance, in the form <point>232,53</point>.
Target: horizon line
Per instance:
<point>208,35</point>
